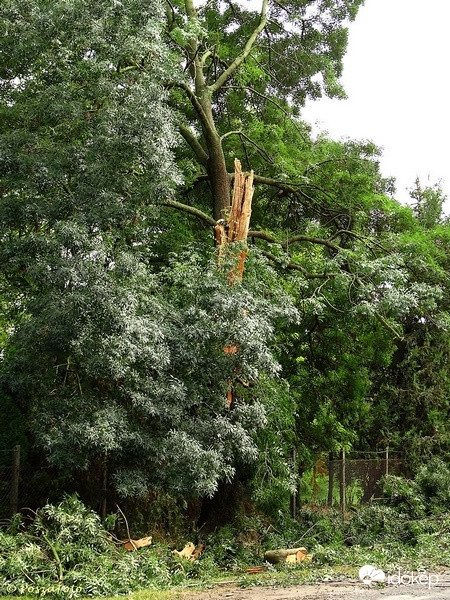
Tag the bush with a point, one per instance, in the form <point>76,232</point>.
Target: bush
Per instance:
<point>66,553</point>
<point>433,479</point>
<point>405,495</point>
<point>374,524</point>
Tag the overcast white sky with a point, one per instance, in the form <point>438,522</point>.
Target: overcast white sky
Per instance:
<point>397,78</point>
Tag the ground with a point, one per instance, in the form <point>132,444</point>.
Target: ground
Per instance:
<point>356,591</point>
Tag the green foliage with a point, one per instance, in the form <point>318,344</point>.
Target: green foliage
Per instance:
<point>434,481</point>
<point>114,314</point>
<point>166,425</point>
<point>404,494</point>
<point>412,513</point>
<point>66,553</point>
<point>429,202</point>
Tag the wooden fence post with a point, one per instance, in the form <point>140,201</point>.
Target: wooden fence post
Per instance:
<point>330,479</point>
<point>343,487</point>
<point>14,492</point>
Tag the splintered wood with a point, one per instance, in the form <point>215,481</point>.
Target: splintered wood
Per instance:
<point>241,205</point>
<point>235,228</point>
<point>189,552</point>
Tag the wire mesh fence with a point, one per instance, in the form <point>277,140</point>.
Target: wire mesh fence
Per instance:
<point>346,481</point>
<point>351,479</point>
<point>359,478</point>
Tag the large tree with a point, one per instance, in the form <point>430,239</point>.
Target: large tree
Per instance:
<point>127,336</point>
<point>117,352</point>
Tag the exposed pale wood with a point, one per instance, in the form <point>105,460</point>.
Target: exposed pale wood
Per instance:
<point>281,555</point>
<point>235,230</point>
<point>189,552</point>
<point>241,205</point>
<point>132,545</point>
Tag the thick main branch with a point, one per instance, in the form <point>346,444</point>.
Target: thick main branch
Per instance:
<point>191,210</point>
<point>193,142</point>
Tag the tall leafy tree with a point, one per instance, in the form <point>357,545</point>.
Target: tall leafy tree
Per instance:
<point>241,63</point>
<point>118,363</point>
<point>429,201</point>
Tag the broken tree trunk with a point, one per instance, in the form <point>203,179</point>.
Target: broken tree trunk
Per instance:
<point>231,242</point>
<point>285,555</point>
<point>235,228</point>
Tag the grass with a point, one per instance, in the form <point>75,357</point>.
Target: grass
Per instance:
<point>283,576</point>
<point>142,595</point>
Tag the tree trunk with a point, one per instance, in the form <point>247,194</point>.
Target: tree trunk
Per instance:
<point>330,479</point>
<point>219,179</point>
<point>222,508</point>
<point>228,500</point>
<point>276,556</point>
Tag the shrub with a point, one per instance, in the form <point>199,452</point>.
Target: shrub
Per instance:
<point>433,479</point>
<point>66,553</point>
<point>405,495</point>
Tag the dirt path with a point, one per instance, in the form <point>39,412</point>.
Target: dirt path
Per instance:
<point>356,591</point>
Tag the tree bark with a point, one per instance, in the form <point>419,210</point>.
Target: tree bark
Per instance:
<point>216,165</point>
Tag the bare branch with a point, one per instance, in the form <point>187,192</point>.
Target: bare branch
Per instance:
<point>281,185</point>
<point>189,209</point>
<point>311,240</point>
<point>265,155</point>
<point>205,57</point>
<point>282,7</point>
<point>292,240</point>
<point>366,241</point>
<point>225,76</point>
<point>170,14</point>
<point>194,101</point>
<point>263,235</point>
<point>388,326</point>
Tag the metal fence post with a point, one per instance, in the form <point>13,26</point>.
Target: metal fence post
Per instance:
<point>14,492</point>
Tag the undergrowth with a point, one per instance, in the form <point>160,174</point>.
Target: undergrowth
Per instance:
<point>66,552</point>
